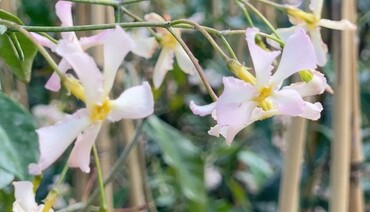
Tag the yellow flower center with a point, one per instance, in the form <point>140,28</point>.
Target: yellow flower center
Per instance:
<point>169,41</point>
<point>309,18</point>
<point>99,112</point>
<point>262,100</point>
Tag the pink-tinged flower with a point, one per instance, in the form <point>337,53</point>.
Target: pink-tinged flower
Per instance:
<point>63,10</point>
<point>25,198</point>
<point>135,103</point>
<point>312,23</point>
<point>243,103</point>
<point>145,45</point>
<point>170,48</point>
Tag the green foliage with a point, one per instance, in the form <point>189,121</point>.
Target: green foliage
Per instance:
<point>183,157</point>
<point>20,51</point>
<point>19,148</point>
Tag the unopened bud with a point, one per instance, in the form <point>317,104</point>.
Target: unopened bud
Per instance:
<point>74,87</point>
<point>241,71</point>
<point>306,75</point>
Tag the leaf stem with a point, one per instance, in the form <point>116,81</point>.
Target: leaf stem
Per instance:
<point>103,207</point>
<point>196,64</point>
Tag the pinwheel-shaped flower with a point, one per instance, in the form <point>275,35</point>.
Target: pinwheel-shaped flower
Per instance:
<point>170,48</point>
<point>242,103</point>
<point>25,198</point>
<point>312,22</point>
<point>63,10</point>
<point>134,103</point>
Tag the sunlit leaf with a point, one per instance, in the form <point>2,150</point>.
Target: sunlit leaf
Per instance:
<point>182,156</point>
<point>18,128</point>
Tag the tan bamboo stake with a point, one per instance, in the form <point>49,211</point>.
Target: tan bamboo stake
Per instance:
<point>104,144</point>
<point>293,158</point>
<point>356,196</point>
<point>341,144</point>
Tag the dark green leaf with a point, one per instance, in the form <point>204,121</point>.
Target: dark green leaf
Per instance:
<point>21,68</point>
<point>18,53</point>
<point>19,127</point>
<point>182,156</point>
<point>8,156</point>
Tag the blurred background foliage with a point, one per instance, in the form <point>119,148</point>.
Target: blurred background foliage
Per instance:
<point>184,168</point>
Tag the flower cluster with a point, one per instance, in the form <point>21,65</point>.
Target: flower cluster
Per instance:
<point>243,103</point>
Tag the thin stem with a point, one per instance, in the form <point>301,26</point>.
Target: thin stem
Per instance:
<point>196,64</point>
<point>118,164</point>
<point>137,18</point>
<point>273,4</point>
<point>54,192</point>
<point>264,19</point>
<point>205,34</point>
<point>228,47</point>
<point>245,12</point>
<point>103,206</point>
<point>281,43</point>
<point>106,3</point>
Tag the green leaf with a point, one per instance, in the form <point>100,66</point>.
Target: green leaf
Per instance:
<point>8,155</point>
<point>18,53</point>
<point>6,178</point>
<point>182,156</point>
<point>10,17</point>
<point>19,128</point>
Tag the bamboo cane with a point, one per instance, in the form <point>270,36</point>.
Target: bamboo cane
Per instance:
<point>341,146</point>
<point>289,188</point>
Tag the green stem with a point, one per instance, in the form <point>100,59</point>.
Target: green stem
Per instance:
<point>54,192</point>
<point>245,12</point>
<point>103,207</point>
<point>118,164</point>
<point>228,47</point>
<point>205,34</point>
<point>196,64</point>
<point>264,19</point>
<point>137,18</point>
<point>273,4</point>
<point>105,2</point>
<point>281,43</point>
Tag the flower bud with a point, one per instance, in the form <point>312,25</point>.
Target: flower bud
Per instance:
<point>306,75</point>
<point>74,86</point>
<point>241,71</point>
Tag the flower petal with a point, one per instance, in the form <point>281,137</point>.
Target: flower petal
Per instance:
<point>284,34</point>
<point>312,111</point>
<point>80,155</point>
<point>227,132</point>
<point>320,47</point>
<point>134,103</point>
<point>63,10</point>
<point>44,41</point>
<point>316,7</point>
<point>54,140</point>
<point>87,71</point>
<point>235,106</point>
<point>95,40</point>
<point>145,46</point>
<point>261,58</point>
<point>53,84</point>
<point>316,85</point>
<point>24,197</point>
<point>183,60</point>
<point>298,54</point>
<point>343,24</point>
<point>202,110</point>
<point>163,65</point>
<point>117,44</point>
<point>289,102</point>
